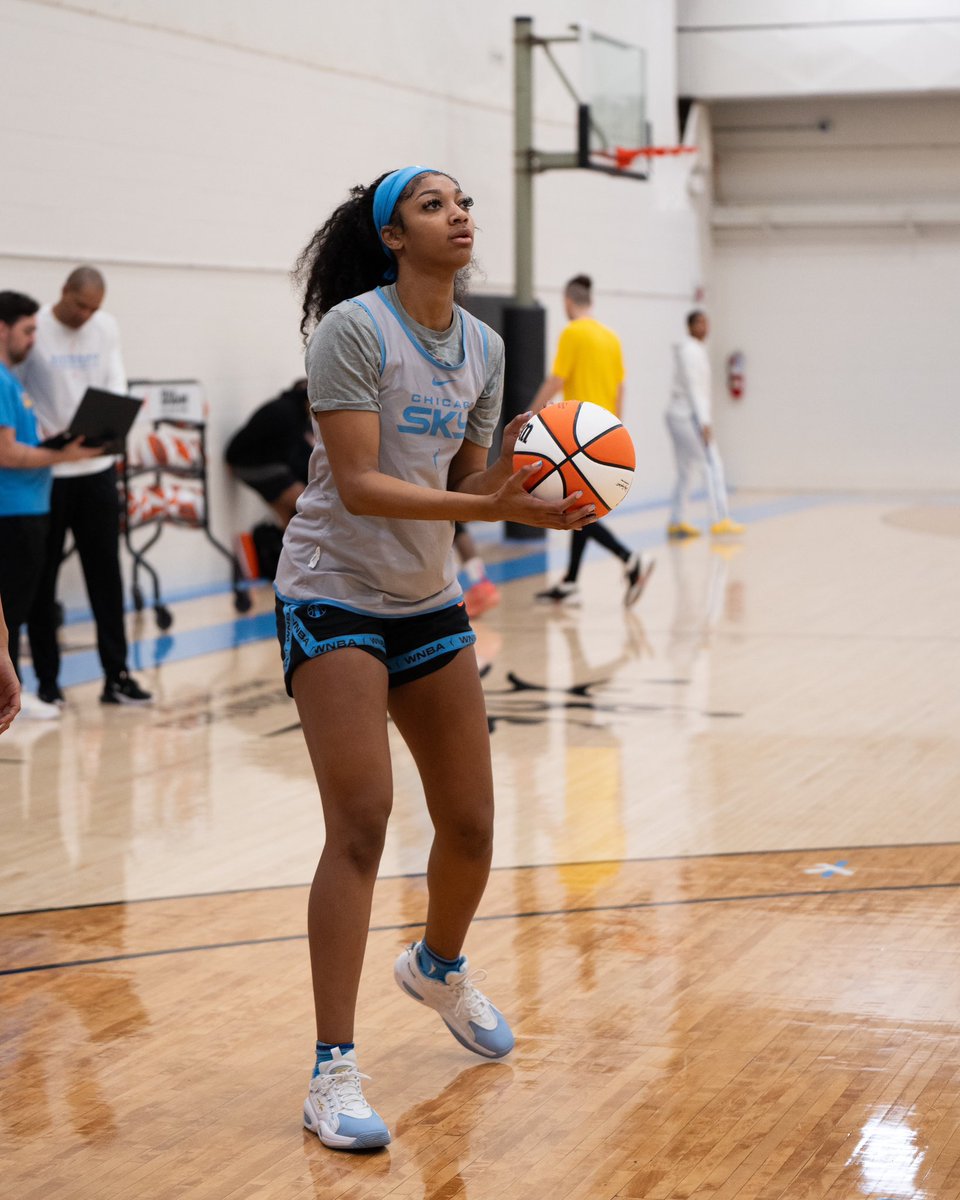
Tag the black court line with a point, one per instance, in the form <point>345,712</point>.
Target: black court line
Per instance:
<point>518,916</point>
<point>552,866</point>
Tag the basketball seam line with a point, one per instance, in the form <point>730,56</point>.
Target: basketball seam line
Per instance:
<point>600,462</point>
<point>568,458</point>
<point>555,468</point>
<point>581,449</point>
<point>602,433</point>
<point>560,446</point>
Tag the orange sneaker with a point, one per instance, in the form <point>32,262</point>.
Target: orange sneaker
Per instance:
<point>482,596</point>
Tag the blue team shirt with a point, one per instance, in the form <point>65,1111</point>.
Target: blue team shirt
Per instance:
<point>23,491</point>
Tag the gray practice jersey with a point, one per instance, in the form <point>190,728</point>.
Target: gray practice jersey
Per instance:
<point>431,390</point>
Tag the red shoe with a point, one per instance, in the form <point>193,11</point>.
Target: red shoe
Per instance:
<point>246,555</point>
<point>480,597</point>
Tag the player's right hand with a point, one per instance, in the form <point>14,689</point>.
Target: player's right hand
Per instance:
<point>514,503</point>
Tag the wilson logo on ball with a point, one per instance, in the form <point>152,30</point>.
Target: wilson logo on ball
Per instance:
<point>583,448</point>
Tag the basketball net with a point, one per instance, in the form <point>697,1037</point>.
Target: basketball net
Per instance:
<point>623,156</point>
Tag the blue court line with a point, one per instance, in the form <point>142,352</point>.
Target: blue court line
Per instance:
<point>647,539</point>
<point>490,533</point>
<point>84,666</point>
<point>78,616</point>
<point>486,532</point>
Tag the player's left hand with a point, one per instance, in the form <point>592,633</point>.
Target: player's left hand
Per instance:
<point>510,434</point>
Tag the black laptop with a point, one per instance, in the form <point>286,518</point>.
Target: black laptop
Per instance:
<point>103,420</point>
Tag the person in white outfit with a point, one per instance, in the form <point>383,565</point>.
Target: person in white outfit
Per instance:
<point>691,430</point>
<point>78,346</point>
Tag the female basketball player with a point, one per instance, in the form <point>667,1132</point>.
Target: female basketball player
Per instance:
<point>405,387</point>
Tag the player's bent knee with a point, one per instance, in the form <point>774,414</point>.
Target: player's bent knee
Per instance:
<point>359,842</point>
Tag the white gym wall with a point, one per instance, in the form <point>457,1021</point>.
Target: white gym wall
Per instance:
<point>189,148</point>
<point>836,235</point>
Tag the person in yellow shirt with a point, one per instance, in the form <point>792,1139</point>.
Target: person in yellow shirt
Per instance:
<point>589,367</point>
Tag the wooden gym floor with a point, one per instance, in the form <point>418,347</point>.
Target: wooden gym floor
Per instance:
<point>722,920</point>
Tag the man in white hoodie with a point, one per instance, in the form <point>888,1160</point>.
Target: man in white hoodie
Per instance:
<point>691,428</point>
<point>78,346</point>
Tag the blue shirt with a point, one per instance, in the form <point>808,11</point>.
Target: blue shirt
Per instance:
<point>24,491</point>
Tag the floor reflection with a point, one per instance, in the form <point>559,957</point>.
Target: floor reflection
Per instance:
<point>52,1083</point>
<point>888,1155</point>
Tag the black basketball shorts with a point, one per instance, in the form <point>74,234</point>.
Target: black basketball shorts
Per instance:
<point>409,647</point>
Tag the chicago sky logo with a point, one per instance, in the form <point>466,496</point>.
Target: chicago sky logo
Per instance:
<point>435,416</point>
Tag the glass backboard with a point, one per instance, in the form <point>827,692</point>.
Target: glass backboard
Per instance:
<point>613,112</point>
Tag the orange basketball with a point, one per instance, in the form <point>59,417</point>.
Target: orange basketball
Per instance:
<point>145,504</point>
<point>583,448</point>
<point>183,448</point>
<point>185,503</point>
<point>150,450</point>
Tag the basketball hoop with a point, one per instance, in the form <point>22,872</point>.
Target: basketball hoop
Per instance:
<point>623,156</point>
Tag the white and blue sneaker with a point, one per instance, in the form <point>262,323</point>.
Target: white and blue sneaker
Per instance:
<point>336,1111</point>
<point>465,1010</point>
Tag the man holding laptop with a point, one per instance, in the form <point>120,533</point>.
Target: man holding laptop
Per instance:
<point>24,499</point>
<point>77,347</point>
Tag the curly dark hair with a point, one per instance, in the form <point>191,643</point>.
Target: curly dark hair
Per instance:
<point>344,258</point>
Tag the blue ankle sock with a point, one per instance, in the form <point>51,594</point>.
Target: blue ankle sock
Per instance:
<point>435,967</point>
<point>325,1052</point>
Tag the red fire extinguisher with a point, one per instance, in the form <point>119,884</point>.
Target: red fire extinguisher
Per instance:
<point>736,370</point>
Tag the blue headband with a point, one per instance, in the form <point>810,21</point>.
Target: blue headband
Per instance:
<point>389,191</point>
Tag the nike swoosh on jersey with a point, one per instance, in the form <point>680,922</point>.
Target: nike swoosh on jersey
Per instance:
<point>442,382</point>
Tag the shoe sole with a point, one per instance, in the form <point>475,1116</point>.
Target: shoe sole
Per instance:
<point>366,1141</point>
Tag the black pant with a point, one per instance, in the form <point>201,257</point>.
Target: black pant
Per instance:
<point>600,534</point>
<point>23,543</point>
<point>89,507</point>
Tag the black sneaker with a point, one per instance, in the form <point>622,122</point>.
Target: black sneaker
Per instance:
<point>124,690</point>
<point>636,572</point>
<point>51,694</point>
<point>560,593</point>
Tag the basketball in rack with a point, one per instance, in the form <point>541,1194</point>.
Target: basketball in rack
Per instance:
<point>163,483</point>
